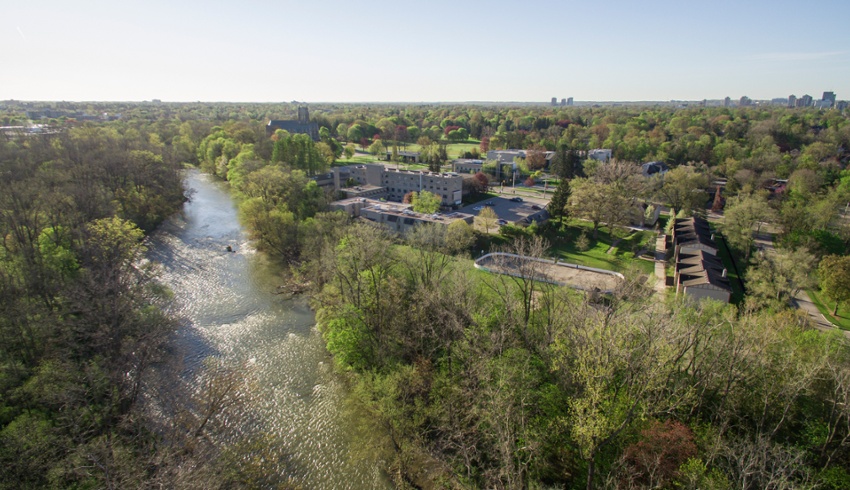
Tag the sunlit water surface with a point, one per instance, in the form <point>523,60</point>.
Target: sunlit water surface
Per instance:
<point>229,309</point>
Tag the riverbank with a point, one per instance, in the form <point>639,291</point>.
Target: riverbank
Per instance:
<point>296,403</point>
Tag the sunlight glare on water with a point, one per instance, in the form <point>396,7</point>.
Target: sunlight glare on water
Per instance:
<point>229,309</point>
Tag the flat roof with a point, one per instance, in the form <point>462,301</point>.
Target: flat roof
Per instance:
<point>403,210</point>
<point>361,188</point>
<point>419,172</point>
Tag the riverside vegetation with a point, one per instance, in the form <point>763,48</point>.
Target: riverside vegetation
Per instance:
<point>484,381</point>
<point>83,321</point>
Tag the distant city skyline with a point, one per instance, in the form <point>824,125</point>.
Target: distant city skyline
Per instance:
<point>439,51</point>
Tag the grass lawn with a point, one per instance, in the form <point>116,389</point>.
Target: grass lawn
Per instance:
<point>825,307</point>
<point>563,245</point>
<point>469,199</point>
<point>356,160</point>
<point>454,150</point>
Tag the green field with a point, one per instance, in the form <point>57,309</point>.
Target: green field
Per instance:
<point>454,150</point>
<point>356,160</point>
<point>621,258</point>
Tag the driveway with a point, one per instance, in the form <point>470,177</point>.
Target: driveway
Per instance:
<point>801,300</point>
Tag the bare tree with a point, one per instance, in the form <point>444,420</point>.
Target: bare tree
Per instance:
<point>520,264</point>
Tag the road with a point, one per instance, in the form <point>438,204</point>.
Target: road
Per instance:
<point>801,300</point>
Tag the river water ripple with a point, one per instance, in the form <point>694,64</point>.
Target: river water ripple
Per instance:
<point>230,310</point>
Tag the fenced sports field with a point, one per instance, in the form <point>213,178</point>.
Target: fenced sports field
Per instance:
<point>551,271</point>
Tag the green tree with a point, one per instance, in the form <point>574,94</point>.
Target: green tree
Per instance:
<point>486,219</point>
<point>779,276</point>
<point>834,278</point>
<point>683,189</point>
<point>426,202</point>
<point>587,200</point>
<point>299,151</point>
<point>377,148</point>
<point>557,206</point>
<point>459,237</point>
<point>744,214</point>
<point>564,162</point>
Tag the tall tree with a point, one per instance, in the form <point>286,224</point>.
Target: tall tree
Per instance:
<point>557,206</point>
<point>743,217</point>
<point>779,276</point>
<point>683,189</point>
<point>834,275</point>
<point>486,219</point>
<point>426,202</point>
<point>566,162</point>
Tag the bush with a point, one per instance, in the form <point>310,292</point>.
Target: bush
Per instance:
<point>583,242</point>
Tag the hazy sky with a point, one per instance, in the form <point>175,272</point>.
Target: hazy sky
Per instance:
<point>437,50</point>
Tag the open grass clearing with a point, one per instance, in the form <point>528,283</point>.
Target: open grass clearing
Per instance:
<point>622,257</point>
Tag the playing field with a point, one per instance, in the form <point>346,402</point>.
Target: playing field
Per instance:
<point>545,270</point>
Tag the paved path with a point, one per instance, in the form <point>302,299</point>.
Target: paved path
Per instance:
<point>801,300</point>
<point>660,263</point>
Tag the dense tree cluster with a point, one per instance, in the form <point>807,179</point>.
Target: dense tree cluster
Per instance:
<point>81,317</point>
<point>508,382</point>
<point>516,383</point>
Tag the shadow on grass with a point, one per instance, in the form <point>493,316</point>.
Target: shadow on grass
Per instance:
<point>564,245</point>
<point>825,307</point>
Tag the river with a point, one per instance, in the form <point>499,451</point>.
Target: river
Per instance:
<point>229,309</point>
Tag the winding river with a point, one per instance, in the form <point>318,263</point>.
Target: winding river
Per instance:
<point>229,309</point>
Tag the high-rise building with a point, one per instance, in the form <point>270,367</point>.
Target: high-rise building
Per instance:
<point>554,101</point>
<point>745,101</point>
<point>804,101</point>
<point>570,101</point>
<point>792,100</point>
<point>829,97</point>
<point>727,102</point>
<point>563,102</point>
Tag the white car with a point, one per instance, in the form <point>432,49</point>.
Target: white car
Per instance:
<point>477,208</point>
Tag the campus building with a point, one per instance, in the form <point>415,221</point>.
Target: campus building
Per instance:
<point>378,181</point>
<point>506,157</point>
<point>600,154</point>
<point>302,125</point>
<point>467,166</point>
<point>397,217</point>
<point>404,156</point>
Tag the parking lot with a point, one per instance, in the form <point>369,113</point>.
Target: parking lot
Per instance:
<point>510,211</point>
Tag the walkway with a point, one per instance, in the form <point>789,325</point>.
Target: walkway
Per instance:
<point>660,265</point>
<point>801,300</point>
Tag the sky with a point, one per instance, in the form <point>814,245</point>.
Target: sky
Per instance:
<point>422,51</point>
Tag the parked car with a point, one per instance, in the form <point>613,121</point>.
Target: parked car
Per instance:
<point>501,222</point>
<point>516,199</point>
<point>536,207</point>
<point>489,203</point>
<point>477,208</point>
